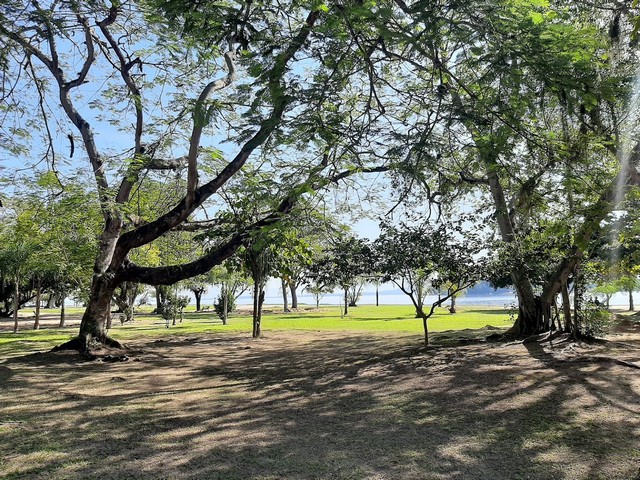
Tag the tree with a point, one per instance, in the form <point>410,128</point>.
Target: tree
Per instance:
<point>232,282</point>
<point>85,45</point>
<point>257,258</point>
<point>422,259</point>
<point>13,263</point>
<point>343,264</point>
<point>531,95</point>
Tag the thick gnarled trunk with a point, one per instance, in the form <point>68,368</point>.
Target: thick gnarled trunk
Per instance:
<point>93,327</point>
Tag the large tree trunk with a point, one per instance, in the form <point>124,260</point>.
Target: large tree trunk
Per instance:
<point>197,293</point>
<point>50,301</point>
<point>452,307</point>
<point>94,321</point>
<point>294,295</point>
<point>631,307</point>
<point>529,319</point>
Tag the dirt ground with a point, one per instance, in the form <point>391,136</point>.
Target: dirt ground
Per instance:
<point>323,405</point>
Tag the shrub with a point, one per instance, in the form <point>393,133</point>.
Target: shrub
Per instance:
<point>219,305</point>
<point>596,320</point>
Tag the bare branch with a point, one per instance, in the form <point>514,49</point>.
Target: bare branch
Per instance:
<point>200,120</point>
<point>90,57</point>
<point>187,205</point>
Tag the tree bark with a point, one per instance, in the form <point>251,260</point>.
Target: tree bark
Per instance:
<point>258,300</point>
<point>63,295</point>
<point>294,295</point>
<point>566,307</point>
<point>94,320</point>
<point>346,301</point>
<point>452,307</point>
<point>197,293</point>
<point>160,298</point>
<point>285,297</point>
<point>50,301</point>
<point>425,326</point>
<point>16,304</point>
<point>225,304</point>
<point>36,323</point>
<point>631,307</point>
<point>529,319</point>
<point>109,318</point>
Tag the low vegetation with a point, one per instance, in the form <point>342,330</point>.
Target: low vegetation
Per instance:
<point>320,397</point>
<point>400,318</point>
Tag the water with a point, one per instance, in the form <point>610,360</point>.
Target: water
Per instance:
<point>273,296</point>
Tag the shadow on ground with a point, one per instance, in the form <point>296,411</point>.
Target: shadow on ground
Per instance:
<point>320,405</point>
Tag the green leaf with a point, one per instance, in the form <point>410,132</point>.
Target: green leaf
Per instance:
<point>536,17</point>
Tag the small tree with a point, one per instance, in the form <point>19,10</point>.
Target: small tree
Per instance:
<point>233,282</point>
<point>425,258</point>
<point>344,264</point>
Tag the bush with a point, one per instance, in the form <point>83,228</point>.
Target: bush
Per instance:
<point>596,320</point>
<point>218,305</point>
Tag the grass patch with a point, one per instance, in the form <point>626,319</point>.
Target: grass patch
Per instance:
<point>368,318</point>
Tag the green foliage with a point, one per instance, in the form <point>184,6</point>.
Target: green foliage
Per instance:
<point>425,258</point>
<point>596,320</point>
<point>218,305</point>
<point>173,307</point>
<point>344,262</point>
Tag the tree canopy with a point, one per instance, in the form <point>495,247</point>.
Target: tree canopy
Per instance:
<point>208,123</point>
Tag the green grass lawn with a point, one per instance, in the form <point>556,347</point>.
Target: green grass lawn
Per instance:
<point>391,318</point>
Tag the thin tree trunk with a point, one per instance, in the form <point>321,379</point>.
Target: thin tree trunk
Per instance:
<point>631,307</point>
<point>260,303</point>
<point>285,298</point>
<point>377,295</point>
<point>294,295</point>
<point>256,306</point>
<point>346,301</point>
<point>566,307</point>
<point>16,303</point>
<point>36,323</point>
<point>225,303</point>
<point>198,295</point>
<point>425,326</point>
<point>63,294</point>
<point>452,308</point>
<point>576,304</point>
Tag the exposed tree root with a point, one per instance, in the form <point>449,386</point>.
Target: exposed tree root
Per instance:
<point>89,347</point>
<point>550,336</point>
<point>599,359</point>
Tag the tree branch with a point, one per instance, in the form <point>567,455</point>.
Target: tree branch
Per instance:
<point>189,203</point>
<point>200,120</point>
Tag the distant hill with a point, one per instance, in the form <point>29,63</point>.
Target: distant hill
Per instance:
<point>483,289</point>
